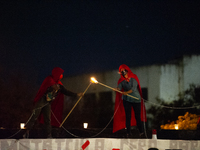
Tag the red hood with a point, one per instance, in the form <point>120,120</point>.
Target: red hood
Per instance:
<point>49,81</point>
<point>56,72</point>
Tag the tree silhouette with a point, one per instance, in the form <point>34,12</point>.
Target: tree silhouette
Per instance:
<point>162,115</point>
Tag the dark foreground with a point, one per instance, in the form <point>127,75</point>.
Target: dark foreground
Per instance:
<point>100,133</point>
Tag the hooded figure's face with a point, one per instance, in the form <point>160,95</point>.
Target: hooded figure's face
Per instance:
<point>57,73</point>
<point>124,73</point>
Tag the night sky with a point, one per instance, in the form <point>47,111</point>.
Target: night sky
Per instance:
<point>86,36</point>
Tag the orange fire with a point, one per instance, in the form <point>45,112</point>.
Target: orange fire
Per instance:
<point>93,80</point>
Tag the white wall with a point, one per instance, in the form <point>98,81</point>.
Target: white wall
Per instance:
<point>191,70</point>
<point>177,78</point>
<point>169,82</point>
<point>149,77</point>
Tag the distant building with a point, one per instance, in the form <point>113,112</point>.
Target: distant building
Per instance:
<point>159,81</point>
<point>165,81</point>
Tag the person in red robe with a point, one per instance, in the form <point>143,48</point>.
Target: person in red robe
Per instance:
<point>50,97</point>
<point>126,107</point>
<point>198,124</point>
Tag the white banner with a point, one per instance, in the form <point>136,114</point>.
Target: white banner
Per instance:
<point>97,144</point>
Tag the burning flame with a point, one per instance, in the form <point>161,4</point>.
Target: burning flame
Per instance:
<point>186,122</point>
<point>93,80</point>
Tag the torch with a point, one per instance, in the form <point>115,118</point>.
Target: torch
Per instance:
<point>93,80</point>
<point>75,105</point>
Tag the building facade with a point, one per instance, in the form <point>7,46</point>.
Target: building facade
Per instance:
<point>163,81</point>
<point>166,82</point>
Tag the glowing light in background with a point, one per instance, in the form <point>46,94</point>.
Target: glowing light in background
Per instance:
<point>22,125</point>
<point>85,125</point>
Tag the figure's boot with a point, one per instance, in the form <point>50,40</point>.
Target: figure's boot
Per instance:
<point>26,134</point>
<point>142,135</point>
<point>49,136</point>
<point>129,135</point>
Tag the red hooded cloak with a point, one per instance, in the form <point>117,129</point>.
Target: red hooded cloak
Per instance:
<point>119,121</point>
<point>57,104</point>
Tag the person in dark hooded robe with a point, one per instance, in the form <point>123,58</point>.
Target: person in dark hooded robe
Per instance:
<point>50,97</point>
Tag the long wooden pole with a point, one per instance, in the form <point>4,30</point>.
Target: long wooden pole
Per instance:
<point>74,105</point>
<point>116,90</point>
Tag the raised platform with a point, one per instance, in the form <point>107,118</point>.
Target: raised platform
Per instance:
<point>94,139</point>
